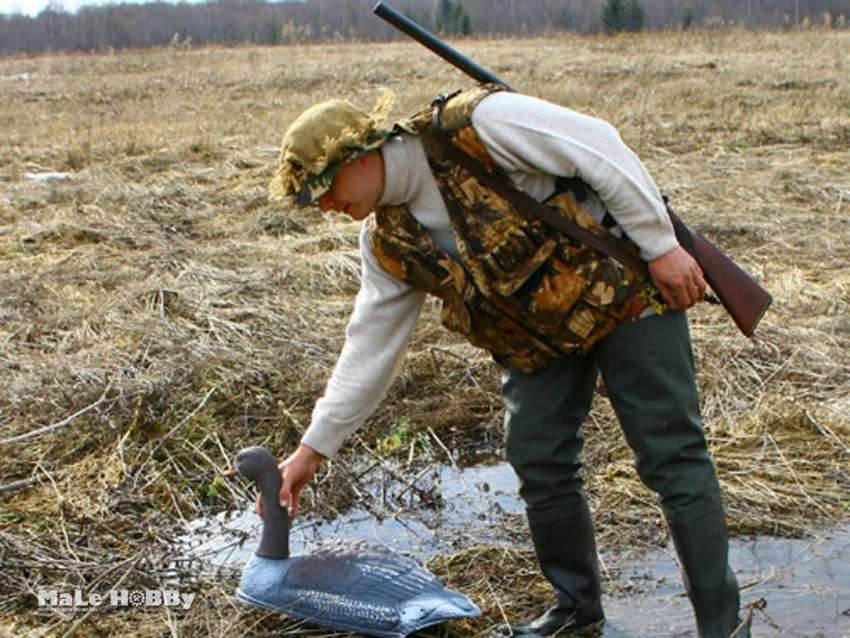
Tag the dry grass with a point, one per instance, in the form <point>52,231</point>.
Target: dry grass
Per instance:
<point>157,313</point>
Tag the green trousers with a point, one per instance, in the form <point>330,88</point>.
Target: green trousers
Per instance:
<point>648,370</point>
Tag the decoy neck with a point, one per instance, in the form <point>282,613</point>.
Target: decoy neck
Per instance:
<point>257,463</point>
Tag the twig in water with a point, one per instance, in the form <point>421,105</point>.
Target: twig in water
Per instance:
<point>410,484</point>
<point>744,628</point>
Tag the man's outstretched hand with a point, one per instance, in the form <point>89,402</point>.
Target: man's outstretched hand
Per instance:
<point>296,470</point>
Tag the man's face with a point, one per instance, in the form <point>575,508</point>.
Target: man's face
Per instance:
<point>357,187</point>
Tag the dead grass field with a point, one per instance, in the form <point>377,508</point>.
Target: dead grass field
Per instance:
<point>157,313</point>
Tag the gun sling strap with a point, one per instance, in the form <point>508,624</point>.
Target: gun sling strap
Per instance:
<point>530,207</point>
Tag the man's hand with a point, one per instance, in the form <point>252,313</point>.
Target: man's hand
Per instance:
<point>297,470</point>
<point>679,278</point>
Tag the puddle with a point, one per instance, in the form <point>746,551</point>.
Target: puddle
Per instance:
<point>806,583</point>
<point>47,177</point>
<point>473,504</point>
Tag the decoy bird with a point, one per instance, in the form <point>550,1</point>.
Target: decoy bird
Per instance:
<point>346,585</point>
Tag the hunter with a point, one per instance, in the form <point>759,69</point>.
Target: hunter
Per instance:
<point>553,313</point>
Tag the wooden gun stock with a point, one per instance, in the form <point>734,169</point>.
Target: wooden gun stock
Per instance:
<point>744,299</point>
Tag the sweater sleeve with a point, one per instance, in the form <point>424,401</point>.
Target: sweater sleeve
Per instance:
<point>385,313</point>
<point>526,134</point>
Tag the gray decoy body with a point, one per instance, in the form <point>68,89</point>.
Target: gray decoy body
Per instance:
<point>350,585</point>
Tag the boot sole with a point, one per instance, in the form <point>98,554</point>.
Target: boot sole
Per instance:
<point>589,630</point>
<point>593,629</point>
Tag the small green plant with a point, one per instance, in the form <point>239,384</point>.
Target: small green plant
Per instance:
<point>215,488</point>
<point>399,437</point>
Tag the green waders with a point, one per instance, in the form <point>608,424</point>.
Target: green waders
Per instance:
<point>648,370</point>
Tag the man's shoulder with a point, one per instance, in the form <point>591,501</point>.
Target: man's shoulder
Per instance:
<point>511,106</point>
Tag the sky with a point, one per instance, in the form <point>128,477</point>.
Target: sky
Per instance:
<point>34,7</point>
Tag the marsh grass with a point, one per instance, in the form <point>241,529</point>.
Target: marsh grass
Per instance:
<point>157,312</point>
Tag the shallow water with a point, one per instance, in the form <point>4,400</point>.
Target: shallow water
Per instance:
<point>806,583</point>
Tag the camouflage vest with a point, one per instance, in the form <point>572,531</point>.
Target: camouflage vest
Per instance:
<point>521,290</point>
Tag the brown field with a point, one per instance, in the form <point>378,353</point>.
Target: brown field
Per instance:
<point>157,312</point>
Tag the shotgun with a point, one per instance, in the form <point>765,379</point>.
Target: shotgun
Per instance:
<point>742,297</point>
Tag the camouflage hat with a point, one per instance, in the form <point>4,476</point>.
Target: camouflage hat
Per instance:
<point>322,140</point>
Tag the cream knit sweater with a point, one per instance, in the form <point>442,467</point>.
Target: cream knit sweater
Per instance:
<point>534,141</point>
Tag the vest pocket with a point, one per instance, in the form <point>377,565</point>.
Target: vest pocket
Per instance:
<point>535,282</point>
<point>514,261</point>
<point>555,295</point>
<point>585,326</point>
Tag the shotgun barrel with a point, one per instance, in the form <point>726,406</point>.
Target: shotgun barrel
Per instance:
<point>430,41</point>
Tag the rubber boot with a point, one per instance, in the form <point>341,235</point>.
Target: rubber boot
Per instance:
<point>703,548</point>
<point>566,550</point>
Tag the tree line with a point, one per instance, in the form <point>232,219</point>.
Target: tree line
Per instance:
<point>263,22</point>
<point>622,15</point>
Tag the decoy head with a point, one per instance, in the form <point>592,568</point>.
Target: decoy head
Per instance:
<point>254,463</point>
<point>257,464</point>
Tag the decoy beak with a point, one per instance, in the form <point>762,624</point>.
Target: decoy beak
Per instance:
<point>231,471</point>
